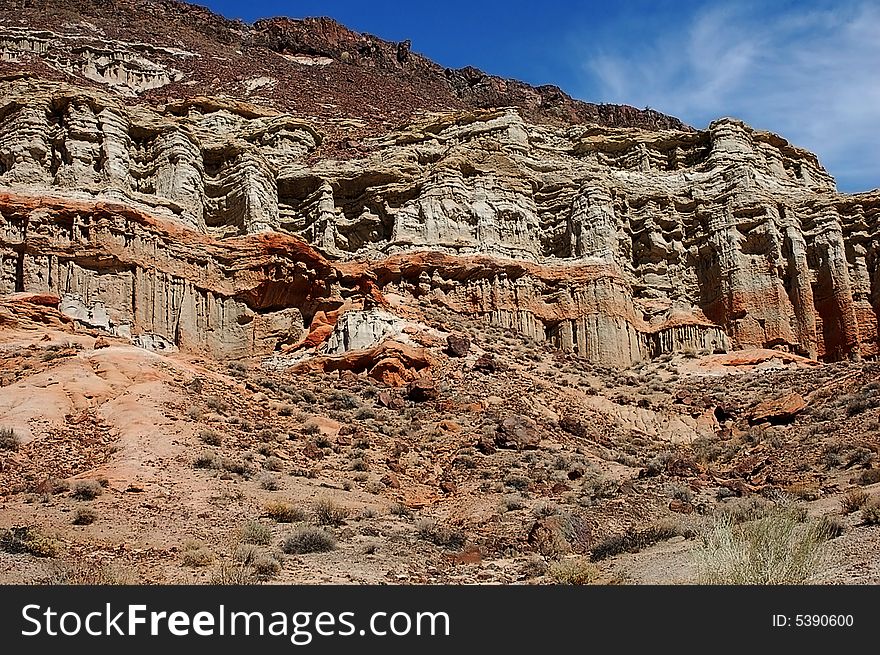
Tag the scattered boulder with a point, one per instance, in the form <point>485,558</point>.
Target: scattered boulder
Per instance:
<point>422,390</point>
<point>488,364</point>
<point>681,506</point>
<point>517,432</point>
<point>458,345</point>
<point>390,480</point>
<point>486,445</point>
<point>390,400</point>
<point>778,410</point>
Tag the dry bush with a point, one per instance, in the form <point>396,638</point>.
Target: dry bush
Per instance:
<point>871,512</point>
<point>853,500</point>
<point>633,541</point>
<point>211,437</point>
<point>86,489</point>
<point>573,572</point>
<point>8,439</point>
<point>27,540</point>
<point>254,532</point>
<point>80,572</point>
<point>196,555</point>
<point>777,548</point>
<point>84,516</point>
<point>282,512</point>
<point>308,539</point>
<point>329,512</point>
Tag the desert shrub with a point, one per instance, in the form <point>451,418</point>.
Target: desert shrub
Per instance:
<point>233,574</point>
<point>268,481</point>
<point>680,492</point>
<point>196,556</point>
<point>871,476</point>
<point>871,512</point>
<point>830,527</point>
<point>215,404</point>
<point>82,572</point>
<point>358,464</point>
<point>632,541</point>
<point>237,369</point>
<point>740,510</point>
<point>254,532</point>
<point>282,512</point>
<point>329,512</point>
<point>401,510</point>
<point>777,548</point>
<point>86,489</point>
<point>440,535</point>
<point>211,437</point>
<point>545,509</point>
<point>853,500</point>
<point>512,502</point>
<point>266,434</point>
<point>518,482</point>
<point>236,467</point>
<point>8,439</point>
<point>533,567</point>
<point>84,516</point>
<point>27,540</point>
<point>860,403</point>
<point>273,463</point>
<point>246,554</point>
<point>195,413</point>
<point>206,461</point>
<point>267,566</point>
<point>308,539</point>
<point>577,571</point>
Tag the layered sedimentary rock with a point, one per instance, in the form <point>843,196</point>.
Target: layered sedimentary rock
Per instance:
<point>216,225</point>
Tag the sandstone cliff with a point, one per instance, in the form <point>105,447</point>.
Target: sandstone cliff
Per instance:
<point>208,223</point>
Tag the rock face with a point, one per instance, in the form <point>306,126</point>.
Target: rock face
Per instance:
<point>237,229</point>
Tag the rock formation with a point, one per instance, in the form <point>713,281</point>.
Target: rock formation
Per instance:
<point>250,221</point>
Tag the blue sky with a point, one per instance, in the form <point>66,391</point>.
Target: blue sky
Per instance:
<point>808,70</point>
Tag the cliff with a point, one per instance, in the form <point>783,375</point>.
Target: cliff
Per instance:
<point>230,203</point>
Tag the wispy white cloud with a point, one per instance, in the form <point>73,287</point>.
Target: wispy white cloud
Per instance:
<point>811,75</point>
